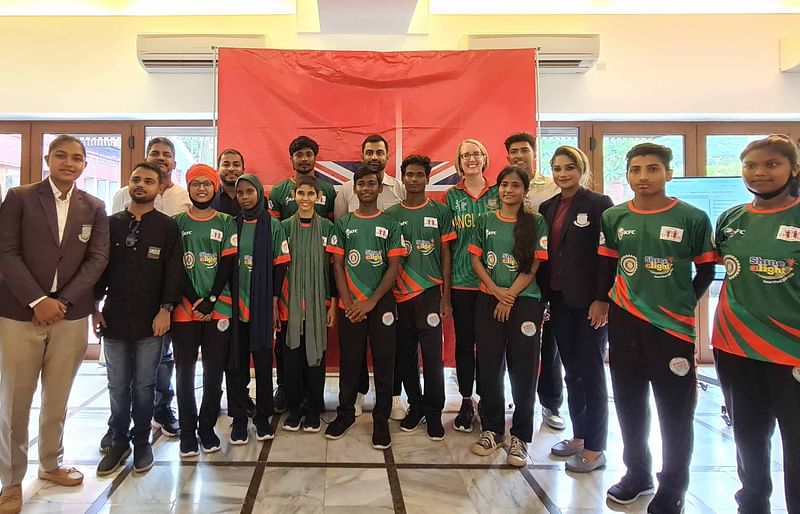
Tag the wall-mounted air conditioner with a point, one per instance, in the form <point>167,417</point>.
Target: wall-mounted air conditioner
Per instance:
<point>558,53</point>
<point>189,53</point>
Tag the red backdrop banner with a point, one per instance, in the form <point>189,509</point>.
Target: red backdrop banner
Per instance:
<point>421,102</point>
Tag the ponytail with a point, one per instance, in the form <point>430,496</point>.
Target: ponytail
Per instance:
<point>524,240</point>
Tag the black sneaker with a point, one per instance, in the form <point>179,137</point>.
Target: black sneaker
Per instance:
<point>143,457</point>
<point>189,446</point>
<point>463,421</point>
<point>435,427</point>
<point>279,400</point>
<point>165,420</point>
<point>666,503</point>
<point>311,423</point>
<point>412,420</point>
<point>105,442</point>
<point>339,427</point>
<point>293,421</point>
<point>209,442</point>
<point>112,460</point>
<point>381,438</point>
<point>626,491</point>
<point>239,432</point>
<point>264,430</point>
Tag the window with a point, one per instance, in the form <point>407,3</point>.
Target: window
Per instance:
<point>722,153</point>
<point>193,144</point>
<point>10,162</point>
<point>551,138</point>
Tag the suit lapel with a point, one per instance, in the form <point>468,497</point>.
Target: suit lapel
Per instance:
<point>76,205</point>
<point>48,202</point>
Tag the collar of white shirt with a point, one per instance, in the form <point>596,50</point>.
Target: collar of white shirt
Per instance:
<point>57,192</point>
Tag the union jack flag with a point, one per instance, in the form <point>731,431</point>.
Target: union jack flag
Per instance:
<point>443,173</point>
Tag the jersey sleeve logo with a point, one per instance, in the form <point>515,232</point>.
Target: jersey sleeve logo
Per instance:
<point>788,233</point>
<point>602,240</point>
<point>382,232</point>
<point>322,199</point>
<point>582,220</point>
<point>285,247</point>
<point>629,264</point>
<point>216,235</point>
<point>543,242</point>
<point>234,240</point>
<point>671,234</point>
<point>325,241</point>
<point>334,240</point>
<point>429,222</point>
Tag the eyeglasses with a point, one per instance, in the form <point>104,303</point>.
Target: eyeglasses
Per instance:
<point>474,155</point>
<point>133,234</point>
<point>196,184</point>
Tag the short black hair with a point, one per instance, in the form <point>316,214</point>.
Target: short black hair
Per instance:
<point>150,167</point>
<point>520,137</point>
<point>301,142</point>
<point>419,160</point>
<point>160,141</point>
<point>374,138</point>
<point>230,150</point>
<point>307,180</point>
<point>65,138</point>
<point>664,153</point>
<point>362,172</point>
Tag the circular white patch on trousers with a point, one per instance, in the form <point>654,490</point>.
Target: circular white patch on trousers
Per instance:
<point>223,324</point>
<point>796,373</point>
<point>528,328</point>
<point>680,366</point>
<point>433,319</point>
<point>387,318</point>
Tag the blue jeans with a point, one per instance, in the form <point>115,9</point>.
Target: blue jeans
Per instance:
<point>164,391</point>
<point>132,366</point>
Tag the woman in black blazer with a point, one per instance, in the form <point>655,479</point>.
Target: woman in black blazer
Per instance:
<point>574,284</point>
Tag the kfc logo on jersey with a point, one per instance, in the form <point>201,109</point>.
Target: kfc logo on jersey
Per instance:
<point>381,232</point>
<point>671,234</point>
<point>429,222</point>
<point>788,233</point>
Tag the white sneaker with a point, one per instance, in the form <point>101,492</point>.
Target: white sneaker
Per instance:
<point>359,406</point>
<point>399,409</point>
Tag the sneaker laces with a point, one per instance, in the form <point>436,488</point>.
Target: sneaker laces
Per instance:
<point>517,447</point>
<point>487,441</point>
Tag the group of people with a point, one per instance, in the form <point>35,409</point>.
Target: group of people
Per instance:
<point>529,268</point>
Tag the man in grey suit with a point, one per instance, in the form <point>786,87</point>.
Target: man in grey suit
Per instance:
<point>54,247</point>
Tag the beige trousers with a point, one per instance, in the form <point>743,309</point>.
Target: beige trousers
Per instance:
<point>26,352</point>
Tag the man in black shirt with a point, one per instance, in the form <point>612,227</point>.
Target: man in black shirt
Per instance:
<point>141,285</point>
<point>230,166</point>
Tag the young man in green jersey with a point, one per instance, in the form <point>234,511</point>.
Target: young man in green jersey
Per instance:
<point>202,319</point>
<point>367,247</point>
<point>422,293</point>
<point>468,199</point>
<point>305,317</point>
<point>303,153</point>
<point>263,256</point>
<point>652,241</point>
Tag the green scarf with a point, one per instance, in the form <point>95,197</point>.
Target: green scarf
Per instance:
<point>307,312</point>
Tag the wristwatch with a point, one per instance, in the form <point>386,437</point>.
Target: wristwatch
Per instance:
<point>212,299</point>
<point>169,307</point>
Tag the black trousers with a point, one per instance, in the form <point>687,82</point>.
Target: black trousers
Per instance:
<point>187,338</point>
<point>379,329</point>
<point>363,377</point>
<point>517,343</point>
<point>419,325</point>
<point>582,350</point>
<point>304,383</point>
<point>757,394</point>
<point>551,378</point>
<point>641,355</point>
<point>238,379</point>
<point>464,322</point>
<point>280,369</point>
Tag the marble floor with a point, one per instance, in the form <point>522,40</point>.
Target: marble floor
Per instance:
<point>301,472</point>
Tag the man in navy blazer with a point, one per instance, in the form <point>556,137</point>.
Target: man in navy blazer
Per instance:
<point>53,248</point>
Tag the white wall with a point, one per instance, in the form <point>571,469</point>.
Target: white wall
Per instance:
<point>650,67</point>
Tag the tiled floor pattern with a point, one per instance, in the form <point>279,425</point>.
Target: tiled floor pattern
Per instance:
<point>305,473</point>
